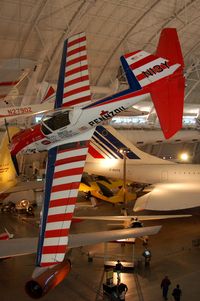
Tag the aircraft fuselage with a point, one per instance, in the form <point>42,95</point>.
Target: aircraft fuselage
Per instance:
<point>58,126</point>
<point>146,173</point>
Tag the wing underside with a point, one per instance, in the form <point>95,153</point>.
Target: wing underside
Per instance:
<point>73,84</point>
<point>63,175</point>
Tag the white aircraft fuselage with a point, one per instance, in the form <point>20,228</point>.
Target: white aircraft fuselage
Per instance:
<point>147,173</point>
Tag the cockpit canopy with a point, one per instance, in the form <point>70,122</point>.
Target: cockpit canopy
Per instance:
<point>55,121</point>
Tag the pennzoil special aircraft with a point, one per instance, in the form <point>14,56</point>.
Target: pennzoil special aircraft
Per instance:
<point>66,133</point>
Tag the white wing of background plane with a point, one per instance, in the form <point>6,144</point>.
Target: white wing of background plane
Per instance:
<point>169,196</point>
<point>131,217</point>
<point>24,246</point>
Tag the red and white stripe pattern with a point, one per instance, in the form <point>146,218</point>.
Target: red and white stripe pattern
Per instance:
<point>68,171</point>
<point>76,84</point>
<point>142,61</point>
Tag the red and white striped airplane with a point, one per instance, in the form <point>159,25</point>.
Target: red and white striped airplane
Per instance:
<point>66,133</point>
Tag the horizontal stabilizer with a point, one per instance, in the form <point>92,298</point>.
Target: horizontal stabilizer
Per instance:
<point>24,246</point>
<point>168,96</point>
<point>168,99</point>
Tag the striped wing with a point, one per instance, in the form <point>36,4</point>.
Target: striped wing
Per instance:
<point>63,176</point>
<point>73,84</point>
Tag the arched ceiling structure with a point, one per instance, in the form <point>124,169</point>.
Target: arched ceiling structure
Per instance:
<point>32,34</point>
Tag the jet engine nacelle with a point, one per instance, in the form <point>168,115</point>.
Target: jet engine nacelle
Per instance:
<point>39,286</point>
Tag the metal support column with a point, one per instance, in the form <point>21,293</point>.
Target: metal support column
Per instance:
<point>124,152</point>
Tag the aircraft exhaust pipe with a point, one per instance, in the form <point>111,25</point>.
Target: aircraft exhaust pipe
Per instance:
<point>39,286</point>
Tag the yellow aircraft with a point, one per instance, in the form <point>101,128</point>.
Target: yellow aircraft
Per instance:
<point>106,190</point>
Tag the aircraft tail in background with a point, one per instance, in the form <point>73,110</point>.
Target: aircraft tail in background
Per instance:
<point>47,93</point>
<point>7,170</point>
<point>107,143</point>
<point>161,75</point>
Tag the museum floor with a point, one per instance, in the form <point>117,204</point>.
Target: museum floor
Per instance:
<point>173,254</point>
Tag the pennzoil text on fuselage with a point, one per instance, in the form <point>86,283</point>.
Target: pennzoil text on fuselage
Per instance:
<point>107,116</point>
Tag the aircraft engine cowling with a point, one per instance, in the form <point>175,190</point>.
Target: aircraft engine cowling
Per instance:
<point>39,286</point>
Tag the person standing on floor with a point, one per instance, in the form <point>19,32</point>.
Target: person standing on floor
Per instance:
<point>165,283</point>
<point>118,269</point>
<point>177,293</point>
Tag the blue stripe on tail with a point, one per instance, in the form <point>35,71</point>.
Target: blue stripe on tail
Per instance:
<point>108,146</point>
<point>113,143</point>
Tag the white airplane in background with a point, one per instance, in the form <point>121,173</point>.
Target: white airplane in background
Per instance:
<point>130,221</point>
<point>174,186</point>
<point>66,133</point>
<point>46,105</point>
